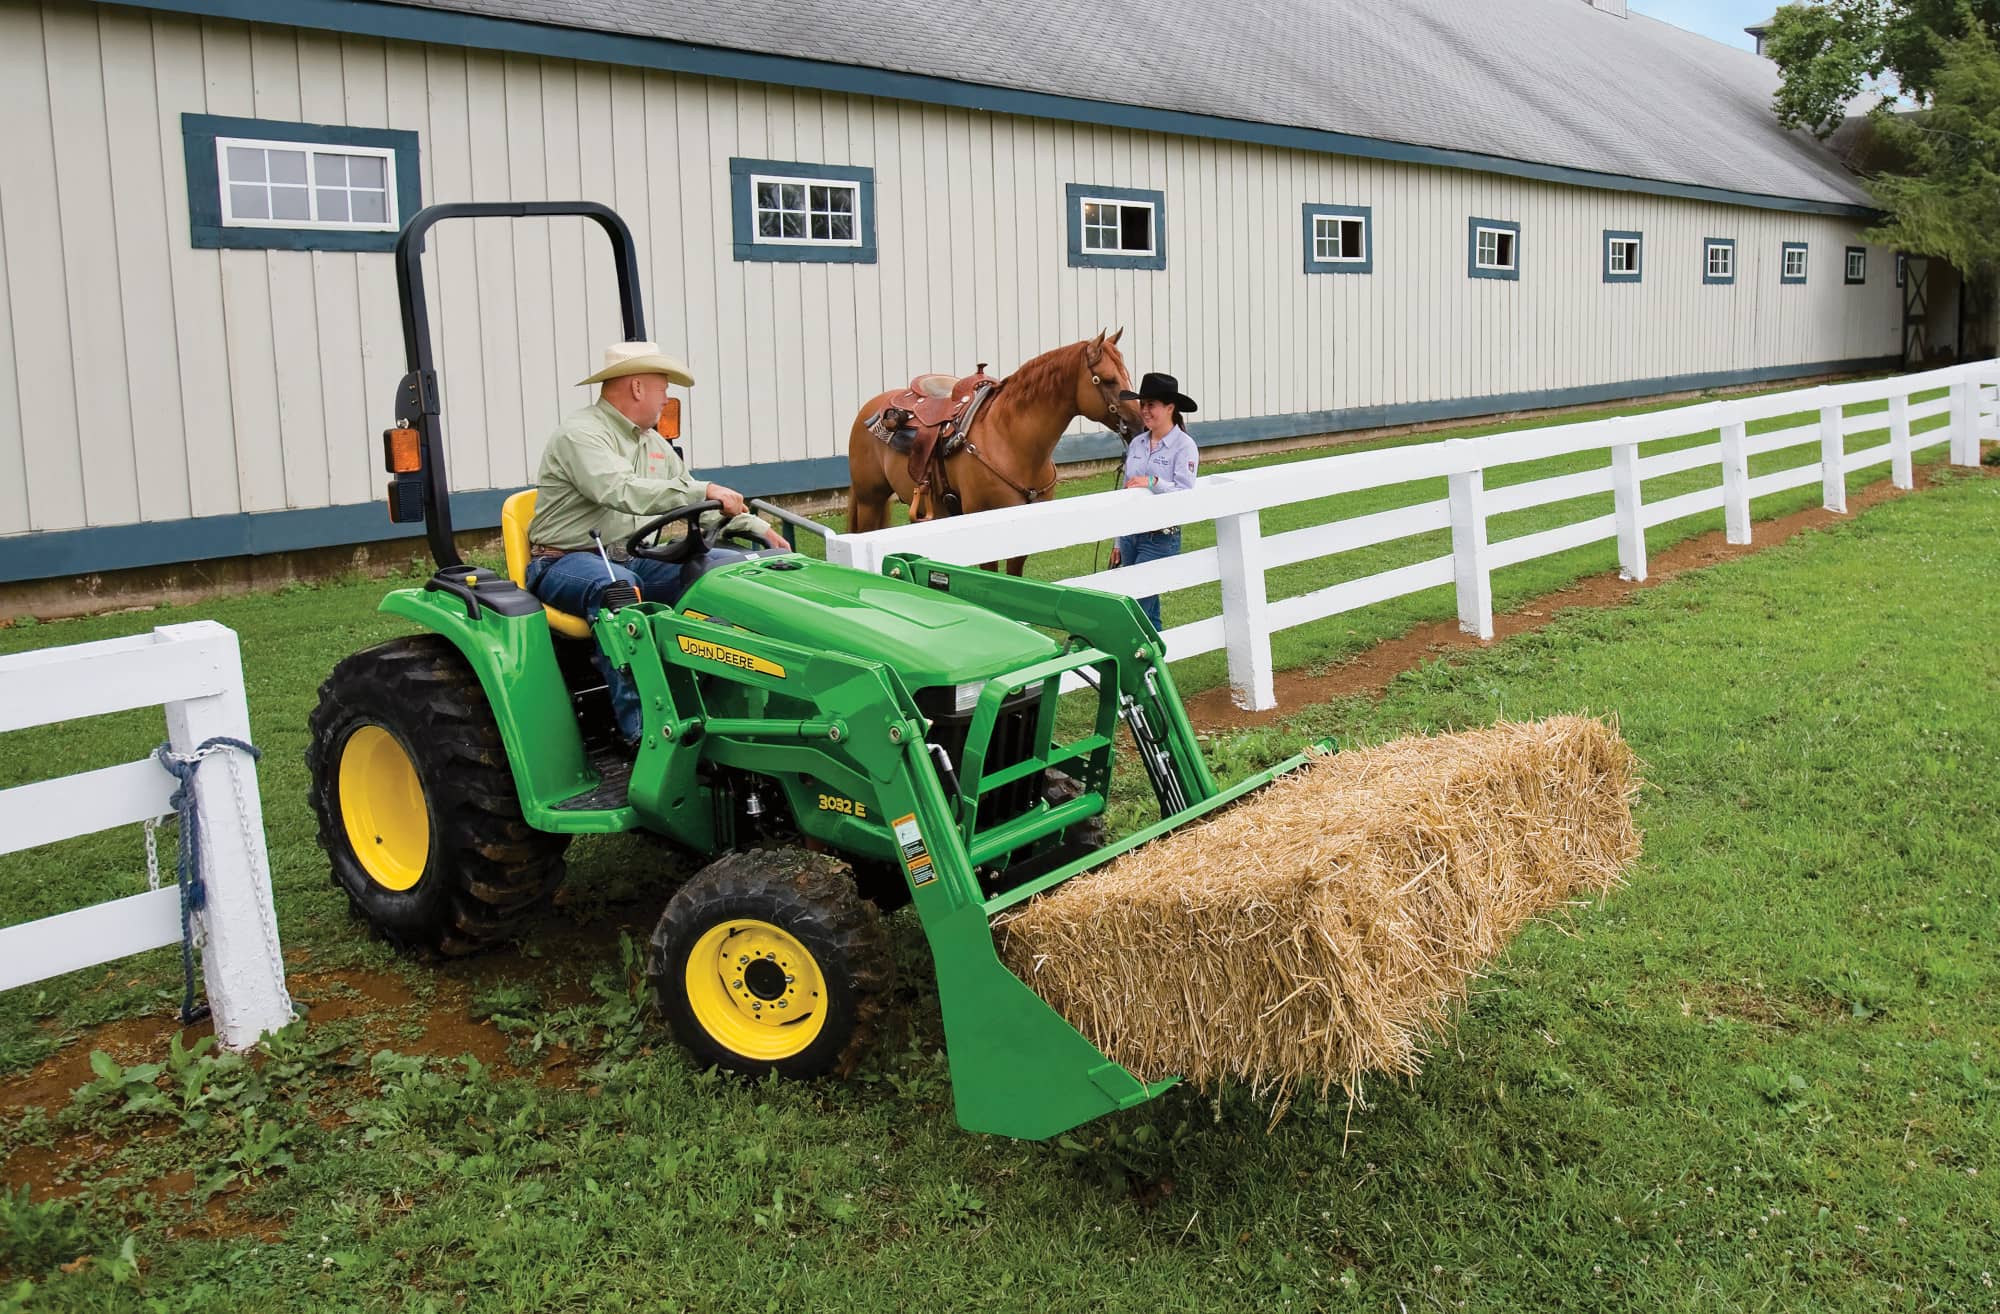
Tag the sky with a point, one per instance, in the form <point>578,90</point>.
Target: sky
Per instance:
<point>1723,20</point>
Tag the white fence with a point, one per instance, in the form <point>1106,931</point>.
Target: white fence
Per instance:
<point>195,672</point>
<point>1243,553</point>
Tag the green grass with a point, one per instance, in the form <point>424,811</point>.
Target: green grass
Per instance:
<point>1783,1027</point>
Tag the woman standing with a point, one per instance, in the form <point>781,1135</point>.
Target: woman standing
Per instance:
<point>1162,459</point>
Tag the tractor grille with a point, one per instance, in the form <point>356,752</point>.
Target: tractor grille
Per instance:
<point>1013,741</point>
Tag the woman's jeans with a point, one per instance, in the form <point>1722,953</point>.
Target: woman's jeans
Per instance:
<point>1150,546</point>
<point>575,583</point>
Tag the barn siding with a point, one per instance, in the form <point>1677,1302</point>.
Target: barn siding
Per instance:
<point>148,381</point>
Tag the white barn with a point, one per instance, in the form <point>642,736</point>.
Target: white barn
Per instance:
<point>1321,214</point>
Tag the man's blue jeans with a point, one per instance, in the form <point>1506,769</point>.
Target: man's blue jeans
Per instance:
<point>1151,546</point>
<point>575,583</point>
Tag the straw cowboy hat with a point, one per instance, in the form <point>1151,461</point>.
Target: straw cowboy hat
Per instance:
<point>623,358</point>
<point>1164,388</point>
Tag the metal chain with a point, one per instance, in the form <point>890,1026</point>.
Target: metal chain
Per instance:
<point>152,853</point>
<point>260,883</point>
<point>193,897</point>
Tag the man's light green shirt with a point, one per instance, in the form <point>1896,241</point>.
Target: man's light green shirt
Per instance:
<point>603,472</point>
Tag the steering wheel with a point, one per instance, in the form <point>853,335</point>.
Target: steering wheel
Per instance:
<point>695,543</point>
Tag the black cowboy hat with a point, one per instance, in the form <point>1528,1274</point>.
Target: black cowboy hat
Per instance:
<point>1162,388</point>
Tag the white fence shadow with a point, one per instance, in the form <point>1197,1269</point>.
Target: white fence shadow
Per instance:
<point>1243,554</point>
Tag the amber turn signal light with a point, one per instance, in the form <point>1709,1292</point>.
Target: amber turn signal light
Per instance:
<point>402,451</point>
<point>669,426</point>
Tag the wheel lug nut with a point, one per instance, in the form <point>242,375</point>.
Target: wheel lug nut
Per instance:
<point>735,985</point>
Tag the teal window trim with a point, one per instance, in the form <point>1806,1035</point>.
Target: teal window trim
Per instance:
<point>1902,269</point>
<point>1074,196</point>
<point>1347,264</point>
<point>204,184</point>
<point>1510,272</point>
<point>1847,273</point>
<point>1635,273</point>
<point>1784,262</point>
<point>1708,247</point>
<point>743,213</point>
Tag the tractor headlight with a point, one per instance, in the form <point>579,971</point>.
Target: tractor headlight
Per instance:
<point>965,697</point>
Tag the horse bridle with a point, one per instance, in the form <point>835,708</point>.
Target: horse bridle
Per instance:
<point>1108,393</point>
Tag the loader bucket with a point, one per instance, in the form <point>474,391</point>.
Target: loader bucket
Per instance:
<point>1017,1067</point>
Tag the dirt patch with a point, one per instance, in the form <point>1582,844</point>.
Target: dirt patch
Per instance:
<point>1372,670</point>
<point>130,1040</point>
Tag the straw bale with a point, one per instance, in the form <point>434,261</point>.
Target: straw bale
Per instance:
<point>1324,927</point>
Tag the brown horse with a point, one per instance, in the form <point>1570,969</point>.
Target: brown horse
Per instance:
<point>1009,454</point>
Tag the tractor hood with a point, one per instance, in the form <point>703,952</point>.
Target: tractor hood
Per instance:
<point>926,636</point>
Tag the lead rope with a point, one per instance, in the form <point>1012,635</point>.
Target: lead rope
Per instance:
<point>193,891</point>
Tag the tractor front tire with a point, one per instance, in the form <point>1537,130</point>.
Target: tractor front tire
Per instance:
<point>771,961</point>
<point>416,802</point>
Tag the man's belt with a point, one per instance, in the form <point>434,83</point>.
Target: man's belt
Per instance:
<point>543,552</point>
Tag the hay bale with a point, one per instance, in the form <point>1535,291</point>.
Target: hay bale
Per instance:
<point>1323,927</point>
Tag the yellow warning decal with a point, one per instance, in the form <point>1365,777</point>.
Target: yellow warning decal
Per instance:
<point>736,657</point>
<point>915,856</point>
<point>692,614</point>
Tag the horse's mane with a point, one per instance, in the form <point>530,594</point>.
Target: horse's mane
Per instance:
<point>1050,376</point>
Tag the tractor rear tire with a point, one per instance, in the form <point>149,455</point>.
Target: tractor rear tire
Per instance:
<point>771,961</point>
<point>416,802</point>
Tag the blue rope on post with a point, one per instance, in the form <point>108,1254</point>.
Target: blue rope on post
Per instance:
<point>194,893</point>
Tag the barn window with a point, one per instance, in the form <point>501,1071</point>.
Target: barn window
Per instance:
<point>1116,227</point>
<point>1718,260</point>
<point>1494,249</point>
<point>272,184</point>
<point>1902,269</point>
<point>297,186</point>
<point>1857,264</point>
<point>1338,239</point>
<point>1621,256</point>
<point>1794,268</point>
<point>788,211</point>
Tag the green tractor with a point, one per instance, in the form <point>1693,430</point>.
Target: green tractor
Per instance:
<point>835,743</point>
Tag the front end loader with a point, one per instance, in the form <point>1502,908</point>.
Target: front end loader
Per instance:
<point>834,743</point>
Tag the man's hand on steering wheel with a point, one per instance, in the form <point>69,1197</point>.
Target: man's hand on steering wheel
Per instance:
<point>697,541</point>
<point>728,499</point>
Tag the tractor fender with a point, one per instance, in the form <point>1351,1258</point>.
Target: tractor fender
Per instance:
<point>515,660</point>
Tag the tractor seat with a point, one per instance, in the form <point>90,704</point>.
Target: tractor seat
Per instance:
<point>515,513</point>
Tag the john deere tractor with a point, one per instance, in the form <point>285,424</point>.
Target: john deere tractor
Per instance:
<point>834,743</point>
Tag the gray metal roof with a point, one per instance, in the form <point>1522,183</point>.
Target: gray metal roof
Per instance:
<point>1551,82</point>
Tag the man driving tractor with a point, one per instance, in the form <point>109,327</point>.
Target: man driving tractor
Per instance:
<point>606,469</point>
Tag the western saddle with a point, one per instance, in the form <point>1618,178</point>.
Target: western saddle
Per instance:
<point>928,421</point>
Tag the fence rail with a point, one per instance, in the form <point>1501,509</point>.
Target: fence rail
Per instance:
<point>1244,554</point>
<point>194,673</point>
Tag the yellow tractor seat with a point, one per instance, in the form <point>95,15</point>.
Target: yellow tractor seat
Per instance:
<point>515,513</point>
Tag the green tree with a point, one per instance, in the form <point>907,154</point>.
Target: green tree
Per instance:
<point>1939,187</point>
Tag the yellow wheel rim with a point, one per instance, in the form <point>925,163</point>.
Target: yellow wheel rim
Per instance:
<point>756,990</point>
<point>382,805</point>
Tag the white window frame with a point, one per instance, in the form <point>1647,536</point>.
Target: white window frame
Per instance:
<point>1728,269</point>
<point>1479,259</point>
<point>309,149</point>
<point>1334,221</point>
<point>1788,272</point>
<point>849,185</point>
<point>1628,247</point>
<point>1083,228</point>
<point>1857,275</point>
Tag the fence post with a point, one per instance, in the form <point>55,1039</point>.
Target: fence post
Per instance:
<point>1900,473</point>
<point>1246,613</point>
<point>1964,425</point>
<point>1735,482</point>
<point>1832,460</point>
<point>1472,569</point>
<point>242,965</point>
<point>1625,499</point>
